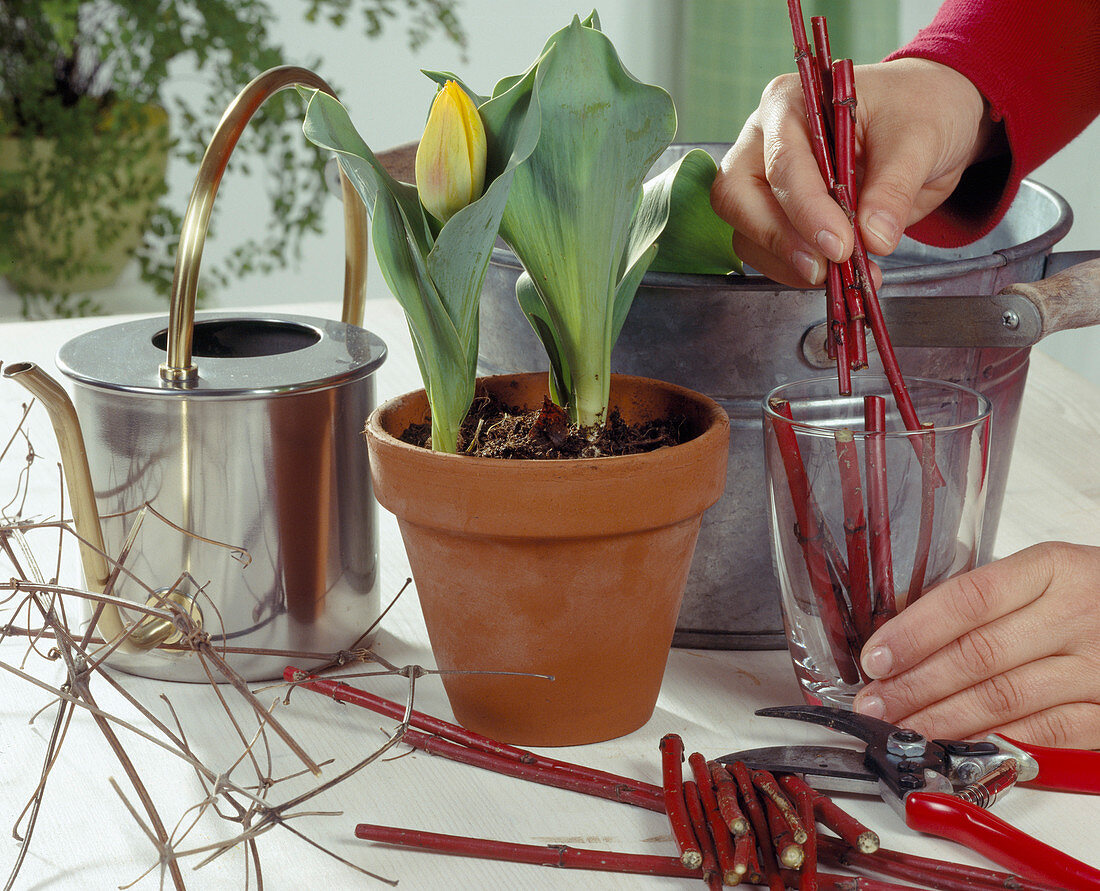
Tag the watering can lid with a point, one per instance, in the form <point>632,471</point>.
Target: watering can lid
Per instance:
<point>238,355</point>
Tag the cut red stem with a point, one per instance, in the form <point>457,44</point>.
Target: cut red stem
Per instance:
<point>855,531</point>
<point>878,510</point>
<point>927,514</point>
<point>716,825</point>
<point>725,790</point>
<point>535,773</point>
<point>839,327</point>
<point>672,775</point>
<point>924,870</point>
<point>539,768</point>
<point>803,800</point>
<point>698,818</point>
<point>844,195</point>
<point>807,73</point>
<point>769,866</point>
<point>829,882</point>
<point>830,815</point>
<point>767,785</point>
<point>857,327</point>
<point>561,856</point>
<point>824,59</point>
<point>811,537</point>
<point>787,851</point>
<point>746,863</point>
<point>844,137</point>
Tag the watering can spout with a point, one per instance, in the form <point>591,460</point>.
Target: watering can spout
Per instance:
<point>78,480</point>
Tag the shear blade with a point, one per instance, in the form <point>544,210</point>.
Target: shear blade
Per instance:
<point>871,730</point>
<point>824,767</point>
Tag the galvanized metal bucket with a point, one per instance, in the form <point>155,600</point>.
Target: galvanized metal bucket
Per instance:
<point>735,338</point>
<point>236,440</point>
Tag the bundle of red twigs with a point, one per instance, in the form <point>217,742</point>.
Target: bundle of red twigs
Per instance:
<point>852,302</point>
<point>732,825</point>
<point>854,590</point>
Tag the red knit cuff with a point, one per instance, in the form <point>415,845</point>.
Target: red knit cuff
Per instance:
<point>988,187</point>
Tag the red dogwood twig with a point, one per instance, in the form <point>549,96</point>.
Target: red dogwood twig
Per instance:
<point>679,821</point>
<point>878,510</point>
<point>810,533</point>
<point>489,753</point>
<point>830,815</point>
<point>719,831</point>
<point>924,870</point>
<point>804,803</point>
<point>927,514</point>
<point>835,172</point>
<point>562,856</point>
<point>694,801</point>
<point>769,866</point>
<point>725,790</point>
<point>855,531</point>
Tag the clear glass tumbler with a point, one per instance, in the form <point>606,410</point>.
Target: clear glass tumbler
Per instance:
<point>865,515</point>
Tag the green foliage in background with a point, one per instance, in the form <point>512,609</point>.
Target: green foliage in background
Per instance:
<point>80,75</point>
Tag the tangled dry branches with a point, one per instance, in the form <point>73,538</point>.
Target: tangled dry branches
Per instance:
<point>47,642</point>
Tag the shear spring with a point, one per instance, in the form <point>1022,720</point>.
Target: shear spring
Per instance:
<point>986,790</point>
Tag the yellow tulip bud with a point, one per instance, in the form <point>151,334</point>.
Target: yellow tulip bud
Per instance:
<point>450,160</point>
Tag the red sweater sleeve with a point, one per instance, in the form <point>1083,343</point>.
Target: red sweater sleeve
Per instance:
<point>1038,65</point>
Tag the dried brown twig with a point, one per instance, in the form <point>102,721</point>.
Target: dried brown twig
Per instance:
<point>43,612</point>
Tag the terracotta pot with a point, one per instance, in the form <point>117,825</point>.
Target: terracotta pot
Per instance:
<point>569,568</point>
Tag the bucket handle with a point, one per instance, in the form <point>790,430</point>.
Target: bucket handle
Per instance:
<point>179,368</point>
<point>1069,296</point>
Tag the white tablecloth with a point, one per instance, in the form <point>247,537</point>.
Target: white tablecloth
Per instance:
<point>85,838</point>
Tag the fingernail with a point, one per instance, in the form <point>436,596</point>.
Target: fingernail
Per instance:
<point>808,266</point>
<point>871,706</point>
<point>831,244</point>
<point>884,227</point>
<point>877,661</point>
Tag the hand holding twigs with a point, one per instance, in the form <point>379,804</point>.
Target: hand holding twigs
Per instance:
<point>922,122</point>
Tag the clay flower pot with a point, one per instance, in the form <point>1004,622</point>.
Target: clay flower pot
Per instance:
<point>569,568</point>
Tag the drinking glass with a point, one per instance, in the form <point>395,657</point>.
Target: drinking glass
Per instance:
<point>865,515</point>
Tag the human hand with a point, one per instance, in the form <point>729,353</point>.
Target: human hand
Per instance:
<point>919,125</point>
<point>1012,647</point>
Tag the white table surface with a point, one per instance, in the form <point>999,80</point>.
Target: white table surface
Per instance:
<point>86,839</point>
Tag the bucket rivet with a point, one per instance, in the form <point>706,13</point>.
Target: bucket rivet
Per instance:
<point>1010,319</point>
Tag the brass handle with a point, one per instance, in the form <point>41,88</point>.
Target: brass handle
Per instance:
<point>179,368</point>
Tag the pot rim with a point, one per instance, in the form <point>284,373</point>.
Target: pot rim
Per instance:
<point>552,498</point>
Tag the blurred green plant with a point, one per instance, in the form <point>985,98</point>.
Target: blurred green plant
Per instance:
<point>80,82</point>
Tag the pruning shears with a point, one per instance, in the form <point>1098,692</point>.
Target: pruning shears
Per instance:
<point>942,786</point>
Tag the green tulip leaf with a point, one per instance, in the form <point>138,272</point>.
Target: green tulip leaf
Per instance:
<point>535,310</point>
<point>569,215</point>
<point>328,125</point>
<point>435,273</point>
<point>695,239</point>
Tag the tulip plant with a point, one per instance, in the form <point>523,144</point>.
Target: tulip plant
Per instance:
<point>561,152</point>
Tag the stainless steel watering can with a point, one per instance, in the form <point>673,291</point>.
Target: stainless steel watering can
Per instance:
<point>221,475</point>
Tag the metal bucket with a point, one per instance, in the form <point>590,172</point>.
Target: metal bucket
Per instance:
<point>243,435</point>
<point>735,338</point>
